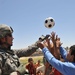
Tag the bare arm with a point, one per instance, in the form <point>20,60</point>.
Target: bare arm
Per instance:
<point>56,42</point>
<point>53,45</point>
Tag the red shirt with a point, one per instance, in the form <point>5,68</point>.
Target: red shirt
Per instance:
<point>55,72</point>
<point>31,68</point>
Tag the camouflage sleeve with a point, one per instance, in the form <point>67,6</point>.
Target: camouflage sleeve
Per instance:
<point>0,65</point>
<point>27,51</point>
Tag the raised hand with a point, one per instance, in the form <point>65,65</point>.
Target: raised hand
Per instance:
<point>56,44</point>
<point>55,39</point>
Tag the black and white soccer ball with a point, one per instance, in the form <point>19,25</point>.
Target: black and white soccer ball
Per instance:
<point>49,22</point>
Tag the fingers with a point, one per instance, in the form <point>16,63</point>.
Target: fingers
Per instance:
<point>40,45</point>
<point>55,39</point>
<point>53,36</point>
<point>45,43</point>
<point>48,44</point>
<point>50,41</point>
<point>53,33</point>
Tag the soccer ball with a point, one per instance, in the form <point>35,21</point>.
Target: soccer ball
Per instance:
<point>49,22</point>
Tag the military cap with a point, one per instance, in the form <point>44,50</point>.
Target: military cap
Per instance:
<point>4,30</point>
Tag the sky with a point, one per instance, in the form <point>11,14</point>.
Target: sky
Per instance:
<point>27,17</point>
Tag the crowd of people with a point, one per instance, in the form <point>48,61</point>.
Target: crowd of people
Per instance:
<point>57,60</point>
<point>32,67</point>
<point>36,68</point>
<point>52,53</point>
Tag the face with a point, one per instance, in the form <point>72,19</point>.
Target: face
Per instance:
<point>31,62</point>
<point>40,73</point>
<point>10,39</point>
<point>69,56</point>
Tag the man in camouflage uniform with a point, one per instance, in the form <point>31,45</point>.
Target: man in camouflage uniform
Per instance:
<point>9,62</point>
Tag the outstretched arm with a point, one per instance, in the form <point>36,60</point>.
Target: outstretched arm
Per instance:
<point>53,45</point>
<point>63,67</point>
<point>56,44</point>
<point>27,51</point>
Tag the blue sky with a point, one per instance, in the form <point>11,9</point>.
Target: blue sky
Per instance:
<point>27,17</point>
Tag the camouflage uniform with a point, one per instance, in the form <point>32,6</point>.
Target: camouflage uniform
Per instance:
<point>9,61</point>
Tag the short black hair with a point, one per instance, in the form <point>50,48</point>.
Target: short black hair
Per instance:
<point>72,48</point>
<point>30,59</point>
